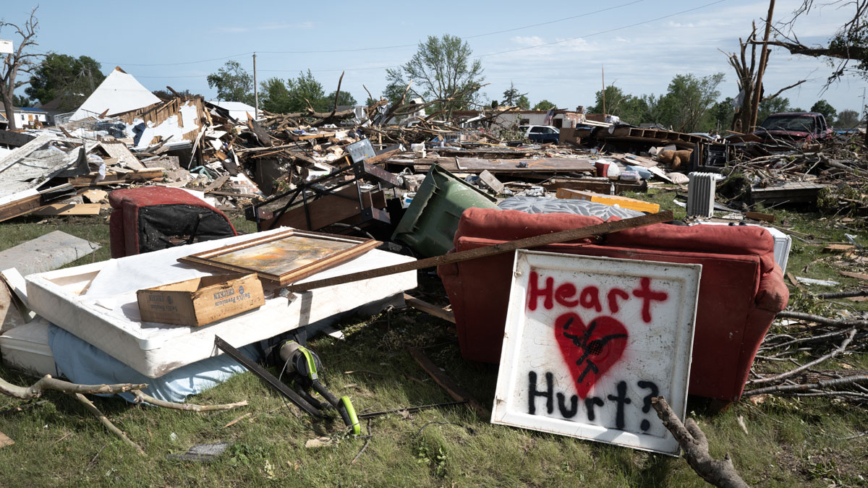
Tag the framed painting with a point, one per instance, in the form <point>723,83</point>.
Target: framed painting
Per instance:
<point>285,257</point>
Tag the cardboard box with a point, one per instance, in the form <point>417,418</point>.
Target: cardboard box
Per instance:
<point>611,200</point>
<point>201,301</point>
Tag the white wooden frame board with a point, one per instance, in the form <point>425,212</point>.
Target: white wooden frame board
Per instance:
<point>590,340</point>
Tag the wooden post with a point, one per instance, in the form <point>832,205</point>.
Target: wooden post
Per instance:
<point>764,59</point>
<point>255,91</point>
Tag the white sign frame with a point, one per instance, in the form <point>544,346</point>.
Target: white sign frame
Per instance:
<point>661,360</point>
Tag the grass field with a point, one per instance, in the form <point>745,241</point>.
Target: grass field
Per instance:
<point>788,442</point>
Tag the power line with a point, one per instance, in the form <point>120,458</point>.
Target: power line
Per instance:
<point>593,34</point>
<point>380,48</point>
<point>598,33</point>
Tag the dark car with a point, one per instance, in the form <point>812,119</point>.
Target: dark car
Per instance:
<point>798,126</point>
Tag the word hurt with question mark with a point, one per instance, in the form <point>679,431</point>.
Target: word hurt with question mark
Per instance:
<point>597,345</point>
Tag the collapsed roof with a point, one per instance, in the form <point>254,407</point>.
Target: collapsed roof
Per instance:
<point>118,93</point>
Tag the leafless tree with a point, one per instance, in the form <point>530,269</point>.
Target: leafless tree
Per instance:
<point>18,61</point>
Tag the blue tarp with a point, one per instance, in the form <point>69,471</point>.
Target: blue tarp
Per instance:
<point>84,364</point>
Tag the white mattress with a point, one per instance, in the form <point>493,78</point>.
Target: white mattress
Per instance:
<point>97,303</point>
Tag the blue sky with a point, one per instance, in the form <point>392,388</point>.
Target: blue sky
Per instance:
<point>180,43</point>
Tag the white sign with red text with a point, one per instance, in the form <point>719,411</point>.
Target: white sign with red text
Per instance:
<point>590,340</point>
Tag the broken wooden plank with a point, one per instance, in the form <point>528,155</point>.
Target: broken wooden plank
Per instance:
<point>5,440</point>
<point>796,283</point>
<point>216,184</point>
<point>839,248</point>
<point>62,209</point>
<point>95,196</point>
<point>116,178</point>
<point>598,185</point>
<point>850,274</point>
<point>491,181</point>
<point>481,252</point>
<point>429,308</point>
<point>456,392</point>
<point>760,216</point>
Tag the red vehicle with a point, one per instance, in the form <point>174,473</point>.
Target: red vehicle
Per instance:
<point>797,126</point>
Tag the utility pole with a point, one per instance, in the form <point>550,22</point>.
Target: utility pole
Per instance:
<point>603,69</point>
<point>255,90</point>
<point>764,59</point>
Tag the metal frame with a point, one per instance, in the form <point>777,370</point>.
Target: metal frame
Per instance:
<point>359,171</point>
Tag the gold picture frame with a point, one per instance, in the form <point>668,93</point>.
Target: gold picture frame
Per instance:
<point>285,257</point>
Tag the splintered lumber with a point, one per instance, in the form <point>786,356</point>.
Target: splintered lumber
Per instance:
<point>429,308</point>
<point>482,252</point>
<point>456,392</point>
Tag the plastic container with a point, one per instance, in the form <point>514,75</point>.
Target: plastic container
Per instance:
<point>430,222</point>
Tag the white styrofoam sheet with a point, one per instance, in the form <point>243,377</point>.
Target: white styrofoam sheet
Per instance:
<point>97,303</point>
<point>590,340</point>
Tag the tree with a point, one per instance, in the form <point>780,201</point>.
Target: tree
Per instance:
<point>722,114</point>
<point>772,106</point>
<point>64,77</point>
<point>827,110</point>
<point>848,44</point>
<point>345,98</point>
<point>688,100</point>
<point>22,101</point>
<point>18,61</point>
<point>306,89</point>
<point>274,96</point>
<point>544,105</point>
<point>847,119</point>
<point>523,102</point>
<point>512,96</point>
<point>441,69</point>
<point>233,83</point>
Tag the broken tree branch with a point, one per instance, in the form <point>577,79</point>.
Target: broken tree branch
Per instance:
<point>695,446</point>
<point>815,362</point>
<point>105,421</point>
<point>190,407</point>
<point>47,383</point>
<point>820,385</point>
<point>822,320</point>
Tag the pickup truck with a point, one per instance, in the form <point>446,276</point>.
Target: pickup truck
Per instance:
<point>541,133</point>
<point>796,126</point>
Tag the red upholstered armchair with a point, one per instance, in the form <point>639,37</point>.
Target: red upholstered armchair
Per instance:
<point>741,289</point>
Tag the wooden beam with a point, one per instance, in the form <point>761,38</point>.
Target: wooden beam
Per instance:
<point>429,308</point>
<point>481,252</point>
<point>69,209</point>
<point>456,392</point>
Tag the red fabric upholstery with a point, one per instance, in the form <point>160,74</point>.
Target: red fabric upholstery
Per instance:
<point>124,220</point>
<point>741,288</point>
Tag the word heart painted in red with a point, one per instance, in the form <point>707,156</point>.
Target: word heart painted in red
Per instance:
<point>593,349</point>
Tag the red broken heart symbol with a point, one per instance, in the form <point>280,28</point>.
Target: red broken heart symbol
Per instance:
<point>591,350</point>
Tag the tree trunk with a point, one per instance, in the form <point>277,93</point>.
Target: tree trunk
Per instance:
<point>9,106</point>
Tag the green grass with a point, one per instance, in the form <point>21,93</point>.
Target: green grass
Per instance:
<point>790,442</point>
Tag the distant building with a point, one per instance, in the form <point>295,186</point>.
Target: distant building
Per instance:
<point>25,117</point>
